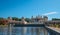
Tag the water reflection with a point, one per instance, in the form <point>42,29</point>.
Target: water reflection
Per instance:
<point>24,31</point>
<point>3,30</point>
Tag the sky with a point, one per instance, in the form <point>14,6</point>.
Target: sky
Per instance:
<point>28,8</point>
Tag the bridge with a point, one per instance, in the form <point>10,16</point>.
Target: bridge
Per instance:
<point>24,23</point>
<point>27,25</point>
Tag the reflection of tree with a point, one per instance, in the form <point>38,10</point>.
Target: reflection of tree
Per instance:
<point>37,31</point>
<point>32,30</point>
<point>27,30</point>
<point>1,30</point>
<point>45,32</point>
<point>23,30</point>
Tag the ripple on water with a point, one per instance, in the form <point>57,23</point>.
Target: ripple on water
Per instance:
<point>23,31</point>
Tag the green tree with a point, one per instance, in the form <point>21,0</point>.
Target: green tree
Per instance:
<point>55,19</point>
<point>19,19</point>
<point>1,18</point>
<point>15,18</point>
<point>28,19</point>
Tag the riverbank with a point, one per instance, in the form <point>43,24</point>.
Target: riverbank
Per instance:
<point>3,25</point>
<point>54,29</point>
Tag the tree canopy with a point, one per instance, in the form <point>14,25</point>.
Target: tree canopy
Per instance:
<point>15,18</point>
<point>55,19</point>
<point>28,19</point>
<point>19,19</point>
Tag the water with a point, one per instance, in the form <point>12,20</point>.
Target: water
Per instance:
<point>24,31</point>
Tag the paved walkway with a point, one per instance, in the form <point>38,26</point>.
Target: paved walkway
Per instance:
<point>55,29</point>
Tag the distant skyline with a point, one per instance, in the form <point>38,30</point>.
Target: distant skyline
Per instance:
<point>28,8</point>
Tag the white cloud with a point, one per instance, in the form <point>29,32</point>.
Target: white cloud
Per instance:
<point>50,13</point>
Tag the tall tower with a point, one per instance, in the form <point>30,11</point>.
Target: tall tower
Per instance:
<point>23,19</point>
<point>38,18</point>
<point>32,19</point>
<point>45,18</point>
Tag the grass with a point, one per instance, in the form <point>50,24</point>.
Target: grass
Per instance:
<point>55,25</point>
<point>3,25</point>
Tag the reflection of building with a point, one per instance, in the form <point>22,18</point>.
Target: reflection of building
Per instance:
<point>39,18</point>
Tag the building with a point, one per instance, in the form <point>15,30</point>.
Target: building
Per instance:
<point>17,22</point>
<point>39,18</point>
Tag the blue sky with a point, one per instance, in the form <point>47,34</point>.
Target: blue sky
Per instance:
<point>27,8</point>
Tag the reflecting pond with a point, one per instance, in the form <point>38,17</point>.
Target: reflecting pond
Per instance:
<point>24,31</point>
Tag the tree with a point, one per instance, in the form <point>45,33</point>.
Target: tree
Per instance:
<point>55,19</point>
<point>15,18</point>
<point>19,19</point>
<point>1,18</point>
<point>3,22</point>
<point>28,19</point>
